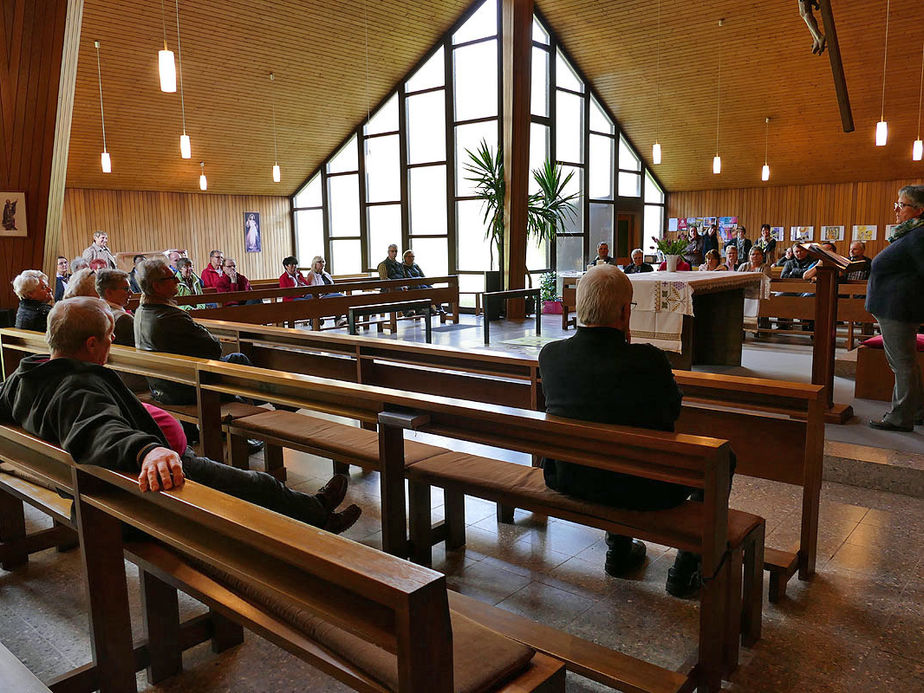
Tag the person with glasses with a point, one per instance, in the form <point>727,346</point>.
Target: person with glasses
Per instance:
<point>113,287</point>
<point>896,283</point>
<point>412,271</point>
<point>232,280</point>
<point>212,273</point>
<point>61,277</point>
<point>99,250</point>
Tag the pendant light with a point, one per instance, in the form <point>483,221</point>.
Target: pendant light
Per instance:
<point>277,174</point>
<point>656,147</point>
<point>882,129</point>
<point>165,63</point>
<point>185,147</point>
<point>917,150</point>
<point>203,183</point>
<point>765,171</point>
<point>104,159</point>
<point>717,160</point>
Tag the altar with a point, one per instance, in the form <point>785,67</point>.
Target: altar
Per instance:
<point>696,317</point>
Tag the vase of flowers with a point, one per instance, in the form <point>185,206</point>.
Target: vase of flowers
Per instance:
<point>671,249</point>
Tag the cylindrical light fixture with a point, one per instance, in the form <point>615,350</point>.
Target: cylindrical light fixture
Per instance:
<point>917,149</point>
<point>717,164</point>
<point>765,173</point>
<point>185,148</point>
<point>656,153</point>
<point>104,160</point>
<point>882,128</point>
<point>765,170</point>
<point>656,147</point>
<point>277,174</point>
<point>203,183</point>
<point>165,64</point>
<point>882,133</point>
<point>717,160</point>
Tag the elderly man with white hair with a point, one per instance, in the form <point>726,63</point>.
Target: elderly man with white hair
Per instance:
<point>598,375</point>
<point>71,399</point>
<point>31,286</point>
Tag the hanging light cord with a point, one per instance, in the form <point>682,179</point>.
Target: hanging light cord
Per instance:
<point>885,55</point>
<point>99,78</point>
<point>163,19</point>
<point>179,55</point>
<point>275,150</point>
<point>366,48</point>
<point>921,92</point>
<point>766,139</point>
<point>718,86</point>
<point>658,73</point>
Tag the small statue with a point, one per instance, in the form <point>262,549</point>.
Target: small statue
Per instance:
<point>806,8</point>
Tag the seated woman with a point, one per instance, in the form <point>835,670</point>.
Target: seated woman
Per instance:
<point>190,283</point>
<point>292,278</point>
<point>755,262</point>
<point>713,262</point>
<point>81,283</point>
<point>319,277</point>
<point>786,257</point>
<point>31,286</point>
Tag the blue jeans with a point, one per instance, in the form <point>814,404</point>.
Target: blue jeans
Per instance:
<point>899,341</point>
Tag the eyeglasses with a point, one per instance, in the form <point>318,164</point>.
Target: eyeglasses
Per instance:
<point>902,205</point>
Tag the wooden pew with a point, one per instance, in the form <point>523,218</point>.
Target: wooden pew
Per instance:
<point>727,605</point>
<point>390,624</point>
<point>776,428</point>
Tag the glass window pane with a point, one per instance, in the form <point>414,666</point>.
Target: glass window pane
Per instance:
<point>601,168</point>
<point>574,224</point>
<point>537,256</point>
<point>540,35</point>
<point>652,192</point>
<point>569,253</point>
<point>468,137</point>
<point>310,195</point>
<point>428,200</point>
<point>383,183</point>
<point>345,159</point>
<point>432,254</point>
<point>630,184</point>
<point>431,74</point>
<point>473,251</point>
<point>654,221</point>
<point>600,228</point>
<point>538,151</point>
<point>599,120</point>
<point>539,97</point>
<point>345,257</point>
<point>385,119</point>
<point>344,205</point>
<point>481,24</point>
<point>383,230</point>
<point>565,76</point>
<point>627,158</point>
<point>475,77</point>
<point>309,232</point>
<point>426,127</point>
<point>569,127</point>
<point>469,283</point>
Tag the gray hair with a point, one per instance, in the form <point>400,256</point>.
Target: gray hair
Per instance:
<point>602,243</point>
<point>601,295</point>
<point>97,234</point>
<point>28,281</point>
<point>182,262</point>
<point>81,283</point>
<point>109,279</point>
<point>393,245</point>
<point>72,321</point>
<point>637,250</point>
<point>150,270</point>
<point>915,193</point>
<point>79,263</point>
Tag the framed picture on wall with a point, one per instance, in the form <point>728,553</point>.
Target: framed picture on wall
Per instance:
<point>253,240</point>
<point>14,214</point>
<point>801,234</point>
<point>864,232</point>
<point>832,233</point>
<point>778,233</point>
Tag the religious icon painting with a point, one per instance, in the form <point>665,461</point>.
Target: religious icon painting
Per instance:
<point>14,214</point>
<point>864,232</point>
<point>778,233</point>
<point>801,234</point>
<point>253,241</point>
<point>832,233</point>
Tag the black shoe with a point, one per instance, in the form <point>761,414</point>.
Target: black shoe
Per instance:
<point>342,521</point>
<point>886,426</point>
<point>621,564</point>
<point>254,446</point>
<point>332,493</point>
<point>684,582</point>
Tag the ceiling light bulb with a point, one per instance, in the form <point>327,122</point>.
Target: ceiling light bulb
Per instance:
<point>167,68</point>
<point>656,153</point>
<point>106,162</point>
<point>717,164</point>
<point>765,173</point>
<point>277,175</point>
<point>203,183</point>
<point>185,150</point>
<point>882,133</point>
<point>917,150</point>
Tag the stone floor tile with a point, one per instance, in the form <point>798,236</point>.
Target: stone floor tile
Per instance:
<point>548,605</point>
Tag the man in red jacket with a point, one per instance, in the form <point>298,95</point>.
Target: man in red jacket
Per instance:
<point>212,273</point>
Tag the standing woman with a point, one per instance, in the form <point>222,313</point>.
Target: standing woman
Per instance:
<point>711,239</point>
<point>767,243</point>
<point>694,250</point>
<point>896,283</point>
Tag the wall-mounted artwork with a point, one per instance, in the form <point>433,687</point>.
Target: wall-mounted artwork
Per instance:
<point>253,243</point>
<point>778,232</point>
<point>801,234</point>
<point>889,229</point>
<point>14,214</point>
<point>864,232</point>
<point>832,233</point>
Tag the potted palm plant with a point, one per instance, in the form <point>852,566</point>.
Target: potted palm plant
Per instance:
<point>551,301</point>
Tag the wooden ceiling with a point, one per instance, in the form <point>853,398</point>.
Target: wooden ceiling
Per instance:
<point>317,51</point>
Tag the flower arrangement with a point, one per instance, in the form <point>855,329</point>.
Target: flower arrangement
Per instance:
<point>671,247</point>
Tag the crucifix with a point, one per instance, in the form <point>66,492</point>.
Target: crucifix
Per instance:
<point>828,39</point>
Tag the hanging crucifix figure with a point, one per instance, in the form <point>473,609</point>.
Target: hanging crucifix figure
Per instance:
<point>806,9</point>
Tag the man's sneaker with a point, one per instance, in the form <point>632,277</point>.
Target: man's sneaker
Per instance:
<point>621,564</point>
<point>342,521</point>
<point>684,582</point>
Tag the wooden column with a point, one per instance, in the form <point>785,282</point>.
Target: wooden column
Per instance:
<point>517,23</point>
<point>823,352</point>
<point>39,41</point>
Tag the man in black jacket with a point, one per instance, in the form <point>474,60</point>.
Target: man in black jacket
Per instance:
<point>598,375</point>
<point>71,399</point>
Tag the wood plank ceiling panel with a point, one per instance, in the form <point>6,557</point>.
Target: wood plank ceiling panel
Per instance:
<point>317,51</point>
<point>767,70</point>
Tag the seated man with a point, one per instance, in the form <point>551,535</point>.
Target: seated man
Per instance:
<point>232,281</point>
<point>99,250</point>
<point>786,257</point>
<point>132,280</point>
<point>172,256</point>
<point>189,283</point>
<point>390,268</point>
<point>212,273</point>
<point>31,286</point>
<point>71,399</point>
<point>598,375</point>
<point>858,254</point>
<point>638,263</point>
<point>603,256</point>
<point>112,286</point>
<point>61,277</point>
<point>412,270</point>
